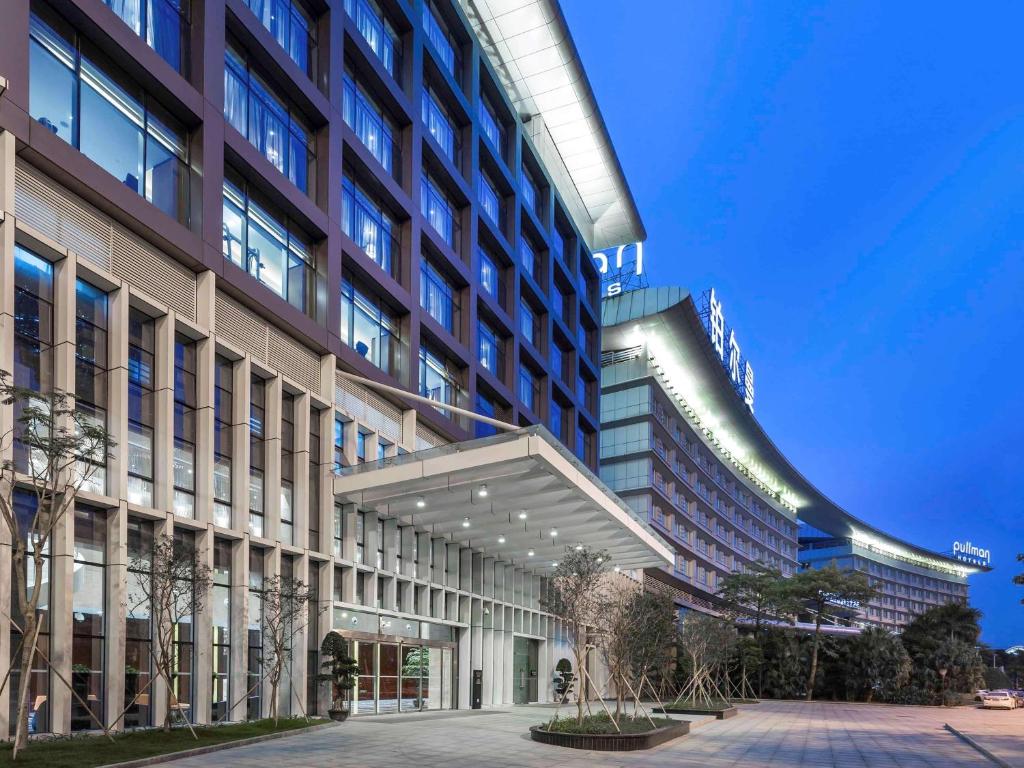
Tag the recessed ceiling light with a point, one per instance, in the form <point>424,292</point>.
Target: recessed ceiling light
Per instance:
<point>554,532</point>
<point>530,553</point>
<point>421,502</point>
<point>465,522</point>
<point>554,565</point>
<point>579,547</point>
<point>617,569</point>
<point>600,560</point>
<point>501,539</point>
<point>522,515</point>
<point>483,490</point>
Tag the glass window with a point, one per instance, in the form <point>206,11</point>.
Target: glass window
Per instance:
<point>490,276</point>
<point>223,440</point>
<point>529,324</point>
<point>313,511</point>
<point>257,458</point>
<point>369,327</point>
<point>91,375</point>
<point>287,467</point>
<point>440,125</point>
<point>141,360</point>
<point>221,613</point>
<point>490,202</point>
<point>138,628</point>
<point>274,128</point>
<point>292,27</point>
<point>88,614</point>
<point>369,226</point>
<point>109,119</point>
<point>438,297</point>
<point>185,404</point>
<point>485,407</point>
<point>374,129</point>
<point>529,388</point>
<point>439,212</point>
<point>339,444</point>
<point>268,248</point>
<point>528,258</point>
<point>439,378</point>
<point>531,197</point>
<point>490,349</point>
<point>163,24</point>
<point>491,126</point>
<point>443,42</point>
<point>375,28</point>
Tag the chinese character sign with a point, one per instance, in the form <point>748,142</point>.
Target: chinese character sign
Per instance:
<point>717,326</point>
<point>741,373</point>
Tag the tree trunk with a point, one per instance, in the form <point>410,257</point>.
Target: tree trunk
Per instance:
<point>580,677</point>
<point>275,681</point>
<point>170,707</point>
<point>814,657</point>
<point>30,628</point>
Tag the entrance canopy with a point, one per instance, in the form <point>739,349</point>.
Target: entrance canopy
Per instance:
<point>519,497</point>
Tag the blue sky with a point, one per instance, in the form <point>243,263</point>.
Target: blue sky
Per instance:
<point>850,177</point>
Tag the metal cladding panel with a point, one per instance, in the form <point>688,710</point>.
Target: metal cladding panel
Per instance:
<point>368,408</point>
<point>241,327</point>
<point>293,360</point>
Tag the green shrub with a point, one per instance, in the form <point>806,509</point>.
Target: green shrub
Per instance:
<point>601,723</point>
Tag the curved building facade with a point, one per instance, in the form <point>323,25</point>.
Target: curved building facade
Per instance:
<point>681,445</point>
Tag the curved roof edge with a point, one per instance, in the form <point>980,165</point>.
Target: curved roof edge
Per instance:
<point>667,321</point>
<point>532,50</point>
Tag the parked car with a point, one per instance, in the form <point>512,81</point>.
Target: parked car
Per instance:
<point>979,693</point>
<point>1019,696</point>
<point>998,700</point>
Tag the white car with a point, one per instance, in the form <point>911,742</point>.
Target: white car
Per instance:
<point>998,700</point>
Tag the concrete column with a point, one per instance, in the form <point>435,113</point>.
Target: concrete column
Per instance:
<point>202,636</point>
<point>62,543</point>
<point>466,664</point>
<point>158,689</point>
<point>116,611</point>
<point>239,627</point>
<point>163,412</point>
<point>390,554</point>
<point>484,658</point>
<point>408,441</point>
<point>7,225</point>
<point>506,661</point>
<point>272,461</point>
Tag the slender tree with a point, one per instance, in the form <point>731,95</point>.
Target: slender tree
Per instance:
<point>758,594</point>
<point>57,451</point>
<point>576,594</point>
<point>285,611</point>
<point>172,582</point>
<point>819,588</point>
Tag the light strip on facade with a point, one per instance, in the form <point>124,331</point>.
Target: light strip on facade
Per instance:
<point>884,548</point>
<point>680,385</point>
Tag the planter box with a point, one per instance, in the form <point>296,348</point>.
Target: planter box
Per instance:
<point>611,742</point>
<point>722,714</point>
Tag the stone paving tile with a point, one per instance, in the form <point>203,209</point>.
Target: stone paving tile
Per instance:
<point>792,734</point>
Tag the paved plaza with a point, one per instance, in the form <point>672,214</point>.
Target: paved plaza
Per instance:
<point>767,734</point>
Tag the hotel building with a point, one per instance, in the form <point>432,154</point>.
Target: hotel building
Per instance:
<point>238,231</point>
<point>680,444</point>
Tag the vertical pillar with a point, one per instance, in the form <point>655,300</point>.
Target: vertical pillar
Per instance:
<point>158,689</point>
<point>62,544</point>
<point>7,147</point>
<point>163,411</point>
<point>116,613</point>
<point>272,461</point>
<point>238,633</point>
<point>202,635</point>
<point>325,505</point>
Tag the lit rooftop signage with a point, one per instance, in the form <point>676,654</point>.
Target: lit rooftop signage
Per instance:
<point>723,339</point>
<point>625,273</point>
<point>969,553</point>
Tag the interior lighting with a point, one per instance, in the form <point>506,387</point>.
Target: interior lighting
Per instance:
<point>465,522</point>
<point>482,492</point>
<point>421,502</point>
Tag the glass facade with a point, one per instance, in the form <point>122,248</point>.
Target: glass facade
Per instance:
<point>292,27</point>
<point>91,352</point>
<point>270,125</point>
<point>141,382</point>
<point>370,227</point>
<point>373,128</point>
<point>185,403</point>
<point>110,119</point>
<point>267,247</point>
<point>368,326</point>
<point>375,28</point>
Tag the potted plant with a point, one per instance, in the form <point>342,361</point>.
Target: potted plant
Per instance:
<point>340,670</point>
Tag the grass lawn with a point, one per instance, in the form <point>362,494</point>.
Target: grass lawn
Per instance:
<point>595,724</point>
<point>91,751</point>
